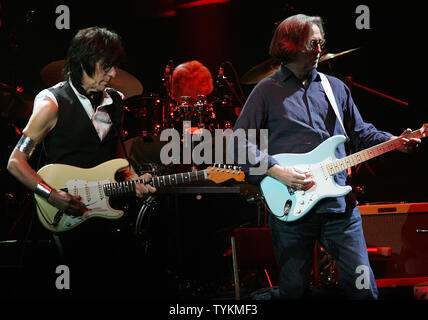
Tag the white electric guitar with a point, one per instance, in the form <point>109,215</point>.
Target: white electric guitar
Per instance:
<point>96,185</point>
<point>289,205</point>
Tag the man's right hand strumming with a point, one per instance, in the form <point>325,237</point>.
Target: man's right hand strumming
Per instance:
<point>291,176</point>
<point>69,204</point>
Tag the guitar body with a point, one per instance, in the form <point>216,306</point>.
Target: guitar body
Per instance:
<point>86,183</point>
<point>288,205</point>
<point>95,186</point>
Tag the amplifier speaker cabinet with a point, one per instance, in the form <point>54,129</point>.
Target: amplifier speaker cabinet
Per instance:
<point>403,228</point>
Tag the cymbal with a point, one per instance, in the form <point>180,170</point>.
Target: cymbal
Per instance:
<point>14,104</point>
<point>261,71</point>
<point>266,68</point>
<point>329,56</point>
<point>124,82</point>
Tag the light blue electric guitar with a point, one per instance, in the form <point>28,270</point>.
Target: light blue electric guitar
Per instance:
<point>289,205</point>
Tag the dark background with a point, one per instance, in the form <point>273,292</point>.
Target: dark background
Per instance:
<point>390,60</point>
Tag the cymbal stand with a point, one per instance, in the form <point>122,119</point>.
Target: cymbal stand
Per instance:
<point>352,83</point>
<point>167,83</point>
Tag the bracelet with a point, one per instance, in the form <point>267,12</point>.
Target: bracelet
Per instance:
<point>43,190</point>
<point>26,145</point>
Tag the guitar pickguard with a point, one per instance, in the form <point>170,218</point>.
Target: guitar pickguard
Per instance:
<point>93,197</point>
<point>289,205</point>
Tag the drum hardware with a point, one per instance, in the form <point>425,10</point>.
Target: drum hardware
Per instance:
<point>184,111</point>
<point>142,223</point>
<point>204,113</point>
<point>223,82</point>
<point>15,104</point>
<point>201,113</point>
<point>143,115</point>
<point>155,169</point>
<point>229,97</point>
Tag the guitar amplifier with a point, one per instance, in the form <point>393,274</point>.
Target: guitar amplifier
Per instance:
<point>402,227</point>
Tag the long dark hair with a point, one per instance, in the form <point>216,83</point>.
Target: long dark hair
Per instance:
<point>87,48</point>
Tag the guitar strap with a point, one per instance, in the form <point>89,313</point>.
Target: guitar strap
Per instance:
<point>329,92</point>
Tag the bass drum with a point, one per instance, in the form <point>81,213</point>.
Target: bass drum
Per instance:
<point>144,115</point>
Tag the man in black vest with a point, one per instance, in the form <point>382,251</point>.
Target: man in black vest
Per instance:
<point>79,122</point>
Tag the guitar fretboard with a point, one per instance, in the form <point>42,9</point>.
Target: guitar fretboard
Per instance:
<point>128,186</point>
<point>367,154</point>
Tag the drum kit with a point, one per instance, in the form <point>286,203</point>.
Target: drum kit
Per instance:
<point>146,115</point>
<point>149,114</point>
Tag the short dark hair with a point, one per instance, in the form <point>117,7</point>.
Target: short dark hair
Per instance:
<point>292,36</point>
<point>89,46</point>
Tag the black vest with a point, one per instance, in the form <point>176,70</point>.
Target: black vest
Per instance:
<point>74,140</point>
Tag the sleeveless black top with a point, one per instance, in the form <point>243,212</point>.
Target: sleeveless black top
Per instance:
<point>74,140</point>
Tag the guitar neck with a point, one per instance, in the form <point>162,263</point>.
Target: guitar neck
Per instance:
<point>367,154</point>
<point>129,186</point>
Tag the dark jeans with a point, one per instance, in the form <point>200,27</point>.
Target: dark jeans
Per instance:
<point>341,234</point>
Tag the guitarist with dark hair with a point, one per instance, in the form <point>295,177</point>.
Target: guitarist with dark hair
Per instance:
<point>78,122</point>
<point>307,116</point>
<point>75,118</point>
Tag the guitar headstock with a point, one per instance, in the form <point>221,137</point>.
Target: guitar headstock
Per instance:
<point>419,133</point>
<point>221,173</point>
<point>424,130</point>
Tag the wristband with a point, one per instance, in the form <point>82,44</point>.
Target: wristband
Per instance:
<point>26,145</point>
<point>43,190</point>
